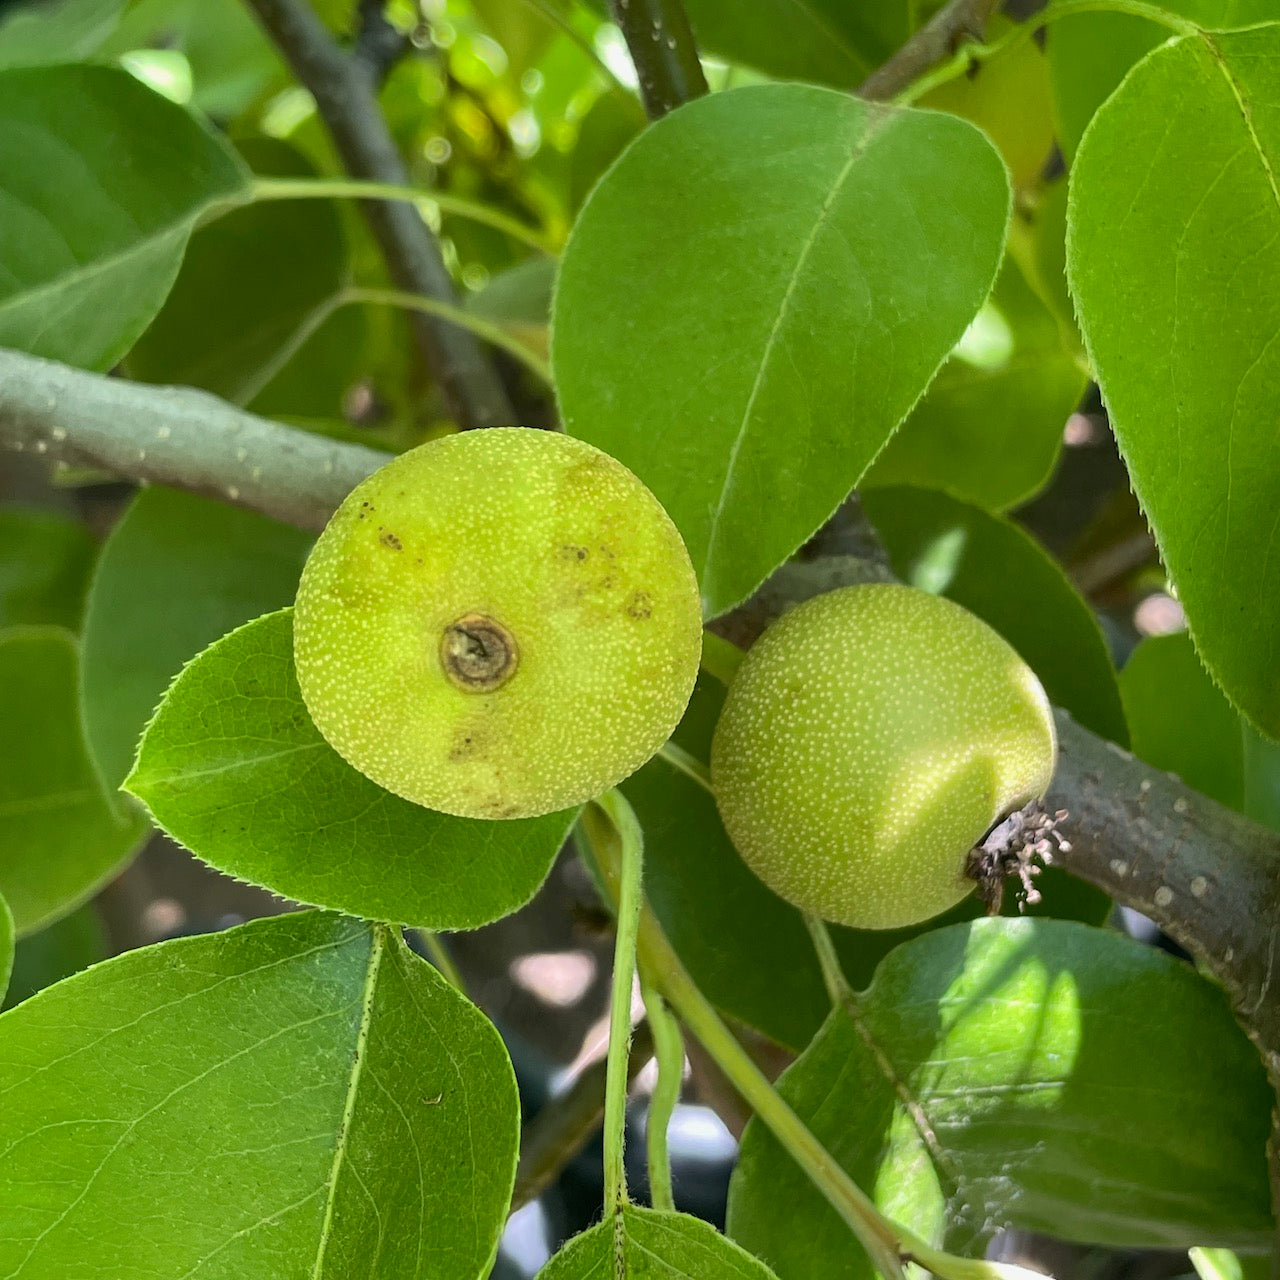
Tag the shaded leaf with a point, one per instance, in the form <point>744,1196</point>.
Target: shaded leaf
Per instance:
<point>1179,721</point>
<point>989,428</point>
<point>252,285</point>
<point>60,949</point>
<point>232,767</point>
<point>1089,54</point>
<point>831,42</point>
<point>831,252</point>
<point>60,838</point>
<point>177,572</point>
<point>1172,262</point>
<point>6,947</point>
<point>988,1078</point>
<point>663,1246</point>
<point>34,32</point>
<point>101,182</point>
<point>996,570</point>
<point>1007,96</point>
<point>225,1106</point>
<point>45,560</point>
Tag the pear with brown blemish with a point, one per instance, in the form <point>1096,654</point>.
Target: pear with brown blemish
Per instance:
<point>498,624</point>
<point>870,739</point>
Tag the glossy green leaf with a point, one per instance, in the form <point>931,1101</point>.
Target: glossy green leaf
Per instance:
<point>60,837</point>
<point>177,572</point>
<point>1179,721</point>
<point>989,428</point>
<point>233,768</point>
<point>253,285</point>
<point>1089,54</point>
<point>101,181</point>
<point>297,1097</point>
<point>59,949</point>
<point>996,570</point>
<point>748,950</point>
<point>6,947</point>
<point>1172,261</point>
<point>45,559</point>
<point>991,1079</point>
<point>657,1246</point>
<point>34,32</point>
<point>831,253</point>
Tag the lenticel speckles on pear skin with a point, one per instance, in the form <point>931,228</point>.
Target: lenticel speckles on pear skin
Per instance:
<point>869,740</point>
<point>498,624</point>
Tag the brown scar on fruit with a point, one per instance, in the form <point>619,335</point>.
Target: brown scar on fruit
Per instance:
<point>574,553</point>
<point>640,606</point>
<point>389,539</point>
<point>478,653</point>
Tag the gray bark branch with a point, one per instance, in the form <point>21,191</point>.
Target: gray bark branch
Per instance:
<point>1207,875</point>
<point>345,87</point>
<point>936,40</point>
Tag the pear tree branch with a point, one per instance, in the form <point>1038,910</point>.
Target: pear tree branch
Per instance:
<point>345,88</point>
<point>660,41</point>
<point>1209,876</point>
<point>939,38</point>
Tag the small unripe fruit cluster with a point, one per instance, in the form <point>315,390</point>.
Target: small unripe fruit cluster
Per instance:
<point>498,624</point>
<point>869,740</point>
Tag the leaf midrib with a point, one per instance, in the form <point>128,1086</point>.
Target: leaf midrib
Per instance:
<point>875,121</point>
<point>376,950</point>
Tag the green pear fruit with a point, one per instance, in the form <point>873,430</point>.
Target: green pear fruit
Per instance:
<point>498,624</point>
<point>870,739</point>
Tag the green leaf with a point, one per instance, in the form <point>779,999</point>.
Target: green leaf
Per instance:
<point>1007,96</point>
<point>297,1097</point>
<point>658,1246</point>
<point>610,123</point>
<point>253,285</point>
<point>177,572</point>
<point>60,949</point>
<point>1172,260</point>
<point>6,947</point>
<point>101,181</point>
<point>831,253</point>
<point>990,1079</point>
<point>233,768</point>
<point>231,59</point>
<point>989,429</point>
<point>60,838</point>
<point>1179,721</point>
<point>996,570</point>
<point>832,42</point>
<point>45,560</point>
<point>1089,54</point>
<point>35,32</point>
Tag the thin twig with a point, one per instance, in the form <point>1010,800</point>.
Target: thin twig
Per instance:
<point>566,1124</point>
<point>345,90</point>
<point>662,47</point>
<point>379,45</point>
<point>936,40</point>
